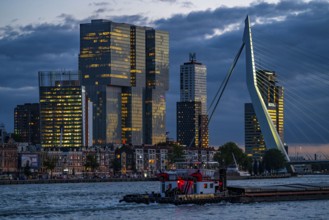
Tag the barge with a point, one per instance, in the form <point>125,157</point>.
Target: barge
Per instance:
<point>202,183</point>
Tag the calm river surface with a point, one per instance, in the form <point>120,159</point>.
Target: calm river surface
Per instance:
<point>101,201</point>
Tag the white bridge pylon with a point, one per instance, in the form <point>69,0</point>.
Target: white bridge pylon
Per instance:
<point>270,134</point>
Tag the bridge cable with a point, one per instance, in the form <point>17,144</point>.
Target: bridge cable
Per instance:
<point>225,82</point>
<point>221,90</point>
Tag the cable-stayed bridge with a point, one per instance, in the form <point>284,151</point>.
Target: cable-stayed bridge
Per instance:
<point>305,122</point>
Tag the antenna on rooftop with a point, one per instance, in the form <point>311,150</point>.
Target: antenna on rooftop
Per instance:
<point>192,57</point>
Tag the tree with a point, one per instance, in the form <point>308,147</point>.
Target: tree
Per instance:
<point>50,164</point>
<point>16,137</point>
<point>274,160</point>
<point>27,170</point>
<point>116,165</point>
<point>91,162</point>
<point>177,154</point>
<point>224,156</point>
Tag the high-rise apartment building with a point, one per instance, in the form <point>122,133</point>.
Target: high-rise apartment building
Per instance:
<point>26,123</point>
<point>272,95</point>
<point>65,111</point>
<point>125,71</point>
<point>192,119</point>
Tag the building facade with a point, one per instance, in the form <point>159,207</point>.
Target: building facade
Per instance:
<point>272,95</point>
<point>8,158</point>
<point>26,123</point>
<point>157,83</point>
<point>188,123</point>
<point>125,72</point>
<point>3,134</point>
<point>65,110</point>
<point>192,119</point>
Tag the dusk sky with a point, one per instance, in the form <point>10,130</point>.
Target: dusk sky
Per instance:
<point>290,37</point>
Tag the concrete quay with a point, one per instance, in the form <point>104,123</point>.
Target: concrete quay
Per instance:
<point>51,181</point>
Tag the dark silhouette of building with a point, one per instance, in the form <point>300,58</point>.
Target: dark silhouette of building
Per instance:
<point>27,126</point>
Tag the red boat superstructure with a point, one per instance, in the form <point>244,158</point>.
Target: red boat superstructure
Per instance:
<point>191,179</point>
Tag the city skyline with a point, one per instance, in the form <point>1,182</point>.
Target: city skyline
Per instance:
<point>214,34</point>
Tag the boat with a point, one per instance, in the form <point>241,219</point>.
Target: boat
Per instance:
<point>189,182</point>
<point>201,183</point>
<point>233,170</point>
<point>191,178</point>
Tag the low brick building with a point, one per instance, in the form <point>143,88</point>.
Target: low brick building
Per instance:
<point>8,158</point>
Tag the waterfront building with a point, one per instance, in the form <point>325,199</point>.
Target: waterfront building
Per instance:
<point>71,161</point>
<point>150,159</point>
<point>117,160</point>
<point>199,154</point>
<point>26,123</point>
<point>192,118</point>
<point>67,160</point>
<point>272,95</point>
<point>125,71</point>
<point>3,134</point>
<point>8,158</point>
<point>65,110</point>
<point>124,160</point>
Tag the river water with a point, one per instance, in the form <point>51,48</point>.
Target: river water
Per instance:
<point>101,201</point>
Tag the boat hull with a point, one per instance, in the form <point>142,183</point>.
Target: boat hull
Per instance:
<point>289,192</point>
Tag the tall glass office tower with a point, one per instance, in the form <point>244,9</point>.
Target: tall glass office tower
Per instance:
<point>121,66</point>
<point>192,119</point>
<point>157,77</point>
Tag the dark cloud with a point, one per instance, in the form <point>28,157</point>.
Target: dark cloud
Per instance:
<point>187,4</point>
<point>101,10</point>
<point>131,19</point>
<point>169,1</point>
<point>99,3</point>
<point>40,47</point>
<point>8,31</point>
<point>290,37</point>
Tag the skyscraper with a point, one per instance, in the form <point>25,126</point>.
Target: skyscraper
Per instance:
<point>26,123</point>
<point>157,83</point>
<point>65,111</point>
<point>192,119</point>
<point>272,95</point>
<point>125,71</point>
